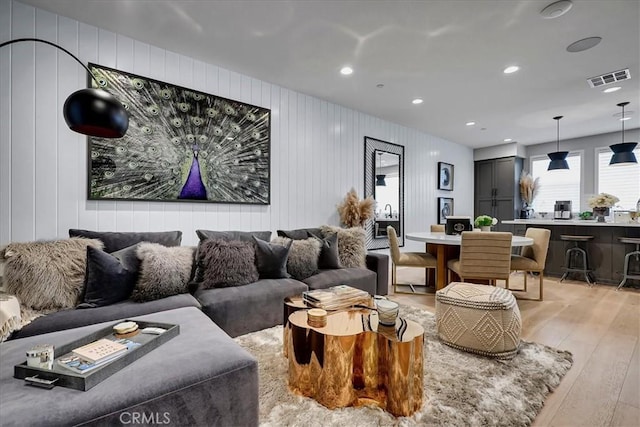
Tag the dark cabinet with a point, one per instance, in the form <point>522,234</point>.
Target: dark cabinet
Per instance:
<point>497,192</point>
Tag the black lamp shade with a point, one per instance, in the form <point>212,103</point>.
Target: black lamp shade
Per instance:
<point>380,182</point>
<point>558,160</point>
<point>623,153</point>
<point>95,112</point>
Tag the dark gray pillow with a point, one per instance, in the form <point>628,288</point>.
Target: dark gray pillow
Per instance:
<point>271,259</point>
<point>227,263</point>
<point>114,241</point>
<point>110,278</point>
<point>300,233</point>
<point>164,271</point>
<point>329,258</point>
<point>244,236</point>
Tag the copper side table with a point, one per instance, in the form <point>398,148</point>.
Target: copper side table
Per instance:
<point>354,361</point>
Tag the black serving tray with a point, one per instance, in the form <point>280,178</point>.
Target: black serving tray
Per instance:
<point>67,378</point>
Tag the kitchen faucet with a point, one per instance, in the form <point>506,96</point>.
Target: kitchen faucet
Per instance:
<point>385,209</point>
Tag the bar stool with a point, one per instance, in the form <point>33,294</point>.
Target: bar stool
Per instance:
<point>575,254</point>
<point>627,258</point>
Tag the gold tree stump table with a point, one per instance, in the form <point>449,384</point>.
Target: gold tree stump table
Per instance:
<point>353,361</point>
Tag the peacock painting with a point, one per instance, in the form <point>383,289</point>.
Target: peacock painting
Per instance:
<point>181,145</point>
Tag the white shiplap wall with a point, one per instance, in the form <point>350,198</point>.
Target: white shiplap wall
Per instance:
<point>317,146</point>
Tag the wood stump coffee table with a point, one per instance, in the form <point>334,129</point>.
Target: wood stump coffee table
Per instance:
<point>354,361</point>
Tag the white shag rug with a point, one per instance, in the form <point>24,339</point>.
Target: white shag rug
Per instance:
<point>460,389</point>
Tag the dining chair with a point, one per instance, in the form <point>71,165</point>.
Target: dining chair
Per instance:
<point>406,259</point>
<point>532,258</point>
<point>437,228</point>
<point>483,256</point>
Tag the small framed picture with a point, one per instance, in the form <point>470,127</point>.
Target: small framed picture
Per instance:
<point>445,176</point>
<point>445,209</point>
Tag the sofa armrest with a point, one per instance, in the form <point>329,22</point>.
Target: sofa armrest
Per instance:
<point>379,263</point>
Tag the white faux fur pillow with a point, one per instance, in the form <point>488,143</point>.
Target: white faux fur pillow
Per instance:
<point>303,256</point>
<point>352,249</point>
<point>164,271</point>
<point>46,275</point>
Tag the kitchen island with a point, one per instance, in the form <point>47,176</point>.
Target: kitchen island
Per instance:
<point>606,253</point>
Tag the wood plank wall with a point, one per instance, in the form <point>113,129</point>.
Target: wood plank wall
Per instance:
<point>317,146</point>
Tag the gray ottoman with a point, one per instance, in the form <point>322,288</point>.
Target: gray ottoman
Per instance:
<point>201,377</point>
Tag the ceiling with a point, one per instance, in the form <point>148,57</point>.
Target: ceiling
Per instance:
<point>450,53</point>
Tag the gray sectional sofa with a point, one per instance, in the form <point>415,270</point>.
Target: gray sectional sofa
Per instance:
<point>207,366</point>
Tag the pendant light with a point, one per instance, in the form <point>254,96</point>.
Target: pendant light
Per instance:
<point>623,152</point>
<point>558,158</point>
<point>380,182</point>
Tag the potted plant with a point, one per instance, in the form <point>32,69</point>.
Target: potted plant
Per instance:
<point>600,203</point>
<point>484,222</point>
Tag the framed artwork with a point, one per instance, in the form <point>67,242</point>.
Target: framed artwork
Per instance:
<point>445,209</point>
<point>445,176</point>
<point>181,145</point>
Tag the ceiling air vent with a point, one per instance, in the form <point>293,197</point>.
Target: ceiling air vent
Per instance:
<point>608,78</point>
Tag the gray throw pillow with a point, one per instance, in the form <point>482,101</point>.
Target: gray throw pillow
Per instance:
<point>46,275</point>
<point>351,245</point>
<point>244,236</point>
<point>300,233</point>
<point>329,257</point>
<point>227,263</point>
<point>164,271</point>
<point>303,256</point>
<point>271,259</point>
<point>114,241</point>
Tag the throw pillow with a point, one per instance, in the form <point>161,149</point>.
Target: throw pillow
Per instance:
<point>329,257</point>
<point>110,278</point>
<point>271,259</point>
<point>351,245</point>
<point>300,233</point>
<point>46,275</point>
<point>303,256</point>
<point>244,236</point>
<point>227,263</point>
<point>164,271</point>
<point>114,241</point>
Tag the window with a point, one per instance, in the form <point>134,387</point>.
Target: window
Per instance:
<point>623,181</point>
<point>557,184</point>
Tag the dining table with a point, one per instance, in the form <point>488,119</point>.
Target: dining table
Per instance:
<point>447,246</point>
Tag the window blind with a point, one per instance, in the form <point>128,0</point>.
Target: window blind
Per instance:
<point>622,181</point>
<point>557,184</point>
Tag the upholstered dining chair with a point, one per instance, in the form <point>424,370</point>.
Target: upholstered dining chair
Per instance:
<point>406,259</point>
<point>532,258</point>
<point>483,256</point>
<point>437,228</point>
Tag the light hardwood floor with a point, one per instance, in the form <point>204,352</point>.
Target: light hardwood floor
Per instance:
<point>600,326</point>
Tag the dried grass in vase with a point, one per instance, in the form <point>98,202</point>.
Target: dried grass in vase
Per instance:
<point>528,187</point>
<point>355,212</point>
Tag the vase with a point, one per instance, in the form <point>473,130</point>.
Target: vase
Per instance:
<point>485,228</point>
<point>600,213</point>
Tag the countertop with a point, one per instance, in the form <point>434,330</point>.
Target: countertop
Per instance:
<point>588,222</point>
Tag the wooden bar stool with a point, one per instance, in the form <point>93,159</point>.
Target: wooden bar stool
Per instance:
<point>626,273</point>
<point>575,254</point>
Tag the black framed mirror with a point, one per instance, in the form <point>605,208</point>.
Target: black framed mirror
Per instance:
<point>384,180</point>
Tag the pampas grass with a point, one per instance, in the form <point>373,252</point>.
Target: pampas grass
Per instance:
<point>528,187</point>
<point>355,212</point>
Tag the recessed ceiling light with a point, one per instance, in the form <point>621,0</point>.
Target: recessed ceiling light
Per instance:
<point>612,89</point>
<point>511,69</point>
<point>624,118</point>
<point>417,101</point>
<point>508,140</point>
<point>556,9</point>
<point>471,123</point>
<point>584,44</point>
<point>345,71</point>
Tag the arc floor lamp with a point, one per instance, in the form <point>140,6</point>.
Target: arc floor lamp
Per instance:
<point>93,112</point>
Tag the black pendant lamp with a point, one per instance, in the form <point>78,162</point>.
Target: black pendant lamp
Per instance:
<point>558,158</point>
<point>93,112</point>
<point>380,182</point>
<point>623,152</point>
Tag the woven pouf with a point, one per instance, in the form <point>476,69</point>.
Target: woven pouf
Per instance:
<point>479,319</point>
